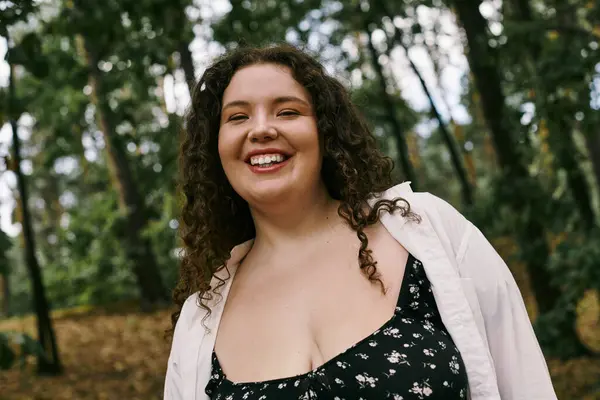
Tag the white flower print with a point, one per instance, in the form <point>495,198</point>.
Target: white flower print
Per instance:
<point>421,390</point>
<point>393,332</point>
<point>429,365</point>
<point>454,365</point>
<point>366,380</point>
<point>342,365</point>
<point>428,326</point>
<point>309,394</point>
<point>397,358</point>
<point>372,343</point>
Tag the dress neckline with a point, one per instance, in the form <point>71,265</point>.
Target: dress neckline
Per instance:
<point>401,304</point>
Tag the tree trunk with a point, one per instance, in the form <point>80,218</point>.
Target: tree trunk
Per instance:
<point>4,295</point>
<point>433,50</point>
<point>560,130</point>
<point>565,150</point>
<point>592,141</point>
<point>5,245</point>
<point>139,249</point>
<point>49,362</point>
<point>393,120</point>
<point>187,63</point>
<point>524,199</point>
<point>466,189</point>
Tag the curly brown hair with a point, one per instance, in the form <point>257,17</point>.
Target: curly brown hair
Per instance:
<point>215,218</point>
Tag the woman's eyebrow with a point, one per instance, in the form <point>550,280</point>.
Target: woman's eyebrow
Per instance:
<point>287,99</point>
<point>277,100</point>
<point>235,103</point>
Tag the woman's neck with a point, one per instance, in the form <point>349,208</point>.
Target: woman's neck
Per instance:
<point>295,221</point>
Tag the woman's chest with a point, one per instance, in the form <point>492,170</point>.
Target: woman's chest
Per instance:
<point>410,356</point>
<point>300,318</point>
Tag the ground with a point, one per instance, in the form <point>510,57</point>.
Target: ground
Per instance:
<point>106,356</point>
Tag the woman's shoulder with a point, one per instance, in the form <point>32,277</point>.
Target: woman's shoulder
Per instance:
<point>422,203</point>
<point>188,311</point>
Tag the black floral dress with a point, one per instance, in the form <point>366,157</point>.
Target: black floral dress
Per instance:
<point>410,357</point>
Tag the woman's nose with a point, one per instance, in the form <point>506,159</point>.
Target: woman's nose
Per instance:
<point>263,131</point>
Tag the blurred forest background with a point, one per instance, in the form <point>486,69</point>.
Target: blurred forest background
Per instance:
<point>492,105</point>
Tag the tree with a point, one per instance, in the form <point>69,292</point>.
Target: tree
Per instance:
<point>169,20</point>
<point>592,139</point>
<point>397,132</point>
<point>48,362</point>
<point>93,46</point>
<point>526,195</point>
<point>556,113</point>
<point>461,173</point>
<point>5,245</point>
<point>130,201</point>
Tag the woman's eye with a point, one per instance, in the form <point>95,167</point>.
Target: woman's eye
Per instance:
<point>288,113</point>
<point>237,117</point>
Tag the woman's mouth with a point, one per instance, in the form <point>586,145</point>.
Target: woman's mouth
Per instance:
<point>264,163</point>
<point>267,160</point>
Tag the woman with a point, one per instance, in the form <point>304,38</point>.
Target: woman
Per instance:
<point>303,277</point>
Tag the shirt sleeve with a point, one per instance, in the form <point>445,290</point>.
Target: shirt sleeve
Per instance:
<point>173,389</point>
<point>520,366</point>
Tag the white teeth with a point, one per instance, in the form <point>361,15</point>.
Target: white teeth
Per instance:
<point>266,159</point>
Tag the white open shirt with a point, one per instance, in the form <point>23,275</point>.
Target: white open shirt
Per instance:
<point>478,299</point>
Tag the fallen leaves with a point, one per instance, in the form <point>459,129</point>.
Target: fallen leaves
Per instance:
<point>106,356</point>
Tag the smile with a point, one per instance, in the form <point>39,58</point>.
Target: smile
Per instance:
<point>267,163</point>
<point>266,160</point>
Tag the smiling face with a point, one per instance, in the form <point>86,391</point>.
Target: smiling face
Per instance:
<point>268,140</point>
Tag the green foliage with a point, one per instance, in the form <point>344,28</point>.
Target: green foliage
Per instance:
<point>28,54</point>
<point>260,22</point>
<point>575,267</point>
<point>7,355</point>
<point>27,346</point>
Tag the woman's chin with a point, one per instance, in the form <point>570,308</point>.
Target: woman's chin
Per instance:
<point>269,193</point>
